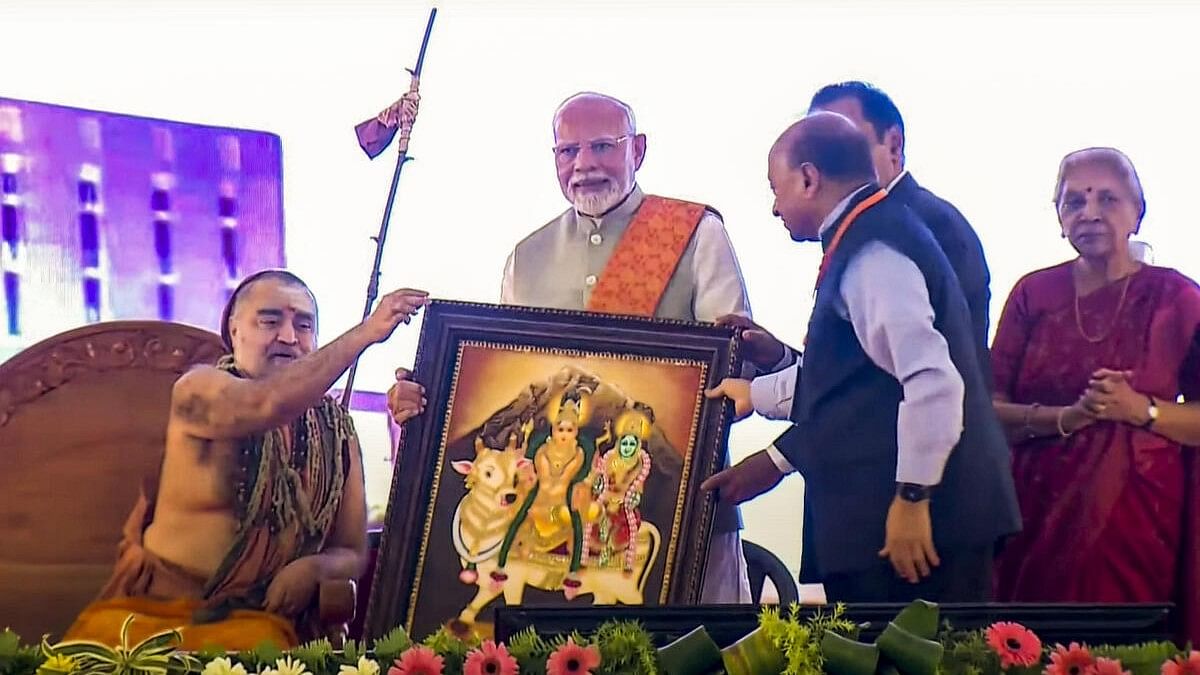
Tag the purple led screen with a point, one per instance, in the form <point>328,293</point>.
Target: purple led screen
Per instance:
<point>106,216</point>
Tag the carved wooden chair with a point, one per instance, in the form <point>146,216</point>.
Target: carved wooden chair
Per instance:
<point>82,423</point>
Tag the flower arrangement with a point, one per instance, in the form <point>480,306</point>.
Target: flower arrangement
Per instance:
<point>785,643</point>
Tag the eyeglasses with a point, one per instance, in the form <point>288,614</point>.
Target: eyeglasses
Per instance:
<point>600,147</point>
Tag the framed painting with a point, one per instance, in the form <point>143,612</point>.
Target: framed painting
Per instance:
<point>558,463</point>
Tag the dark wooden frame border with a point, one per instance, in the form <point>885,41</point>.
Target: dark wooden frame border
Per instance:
<point>445,325</point>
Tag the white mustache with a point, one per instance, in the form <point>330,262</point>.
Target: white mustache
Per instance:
<point>588,177</point>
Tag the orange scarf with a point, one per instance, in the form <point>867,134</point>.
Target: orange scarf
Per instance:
<point>645,259</point>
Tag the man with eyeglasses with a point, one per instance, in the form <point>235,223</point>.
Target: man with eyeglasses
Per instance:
<point>622,251</point>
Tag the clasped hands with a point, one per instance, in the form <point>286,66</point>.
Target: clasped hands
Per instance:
<point>1109,396</point>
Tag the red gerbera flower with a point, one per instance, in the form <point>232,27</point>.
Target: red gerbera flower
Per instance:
<point>1015,644</point>
<point>418,661</point>
<point>1183,666</point>
<point>572,659</point>
<point>1073,660</point>
<point>490,659</point>
<point>1110,667</point>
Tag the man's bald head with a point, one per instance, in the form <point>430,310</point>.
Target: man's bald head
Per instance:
<point>813,165</point>
<point>832,144</point>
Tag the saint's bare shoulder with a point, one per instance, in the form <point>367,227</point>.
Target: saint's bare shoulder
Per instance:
<point>211,403</point>
<point>192,394</point>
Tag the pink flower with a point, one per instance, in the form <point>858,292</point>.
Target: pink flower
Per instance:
<point>572,659</point>
<point>1110,667</point>
<point>490,659</point>
<point>1073,660</point>
<point>1182,666</point>
<point>418,661</point>
<point>1015,644</point>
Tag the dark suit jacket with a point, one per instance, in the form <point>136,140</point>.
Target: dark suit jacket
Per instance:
<point>964,251</point>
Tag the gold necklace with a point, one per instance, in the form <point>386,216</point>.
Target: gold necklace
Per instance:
<point>1116,315</point>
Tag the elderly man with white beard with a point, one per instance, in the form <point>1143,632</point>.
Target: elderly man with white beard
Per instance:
<point>621,251</point>
<point>582,258</point>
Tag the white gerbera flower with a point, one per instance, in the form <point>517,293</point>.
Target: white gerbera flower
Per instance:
<point>289,666</point>
<point>223,666</point>
<point>365,667</point>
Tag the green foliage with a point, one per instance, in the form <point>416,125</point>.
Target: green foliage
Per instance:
<point>966,653</point>
<point>317,654</point>
<point>451,648</point>
<point>16,659</point>
<point>531,651</point>
<point>800,639</point>
<point>351,651</point>
<point>391,646</point>
<point>625,647</point>
<point>156,655</point>
<point>209,652</point>
<point>265,653</point>
<point>1143,659</point>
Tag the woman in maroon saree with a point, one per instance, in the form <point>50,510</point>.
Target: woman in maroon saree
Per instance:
<point>1090,357</point>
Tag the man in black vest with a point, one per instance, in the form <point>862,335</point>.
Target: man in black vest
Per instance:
<point>907,480</point>
<point>876,115</point>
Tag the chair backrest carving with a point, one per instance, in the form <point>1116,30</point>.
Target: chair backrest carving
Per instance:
<point>82,421</point>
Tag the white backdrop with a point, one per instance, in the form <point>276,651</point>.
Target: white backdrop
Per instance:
<point>993,95</point>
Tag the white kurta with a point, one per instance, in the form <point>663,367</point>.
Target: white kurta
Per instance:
<point>558,266</point>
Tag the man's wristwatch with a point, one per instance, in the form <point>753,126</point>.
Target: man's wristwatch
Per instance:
<point>1151,413</point>
<point>911,492</point>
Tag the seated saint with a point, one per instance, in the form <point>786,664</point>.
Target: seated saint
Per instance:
<point>260,498</point>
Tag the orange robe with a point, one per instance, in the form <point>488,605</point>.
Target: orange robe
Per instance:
<point>293,478</point>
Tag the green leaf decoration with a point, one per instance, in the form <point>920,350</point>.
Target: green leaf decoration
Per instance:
<point>392,645</point>
<point>10,644</point>
<point>1143,659</point>
<point>754,654</point>
<point>625,647</point>
<point>265,653</point>
<point>351,651</point>
<point>692,654</point>
<point>919,618</point>
<point>911,654</point>
<point>209,652</point>
<point>785,642</point>
<point>316,654</point>
<point>844,656</point>
<point>156,655</point>
<point>531,651</point>
<point>450,647</point>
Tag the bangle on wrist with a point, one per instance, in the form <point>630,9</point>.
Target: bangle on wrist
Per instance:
<point>1027,427</point>
<point>1062,430</point>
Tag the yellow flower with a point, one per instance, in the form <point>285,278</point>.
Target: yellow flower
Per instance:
<point>288,666</point>
<point>365,667</point>
<point>57,663</point>
<point>223,666</point>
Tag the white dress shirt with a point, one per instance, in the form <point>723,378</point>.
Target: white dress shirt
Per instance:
<point>883,295</point>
